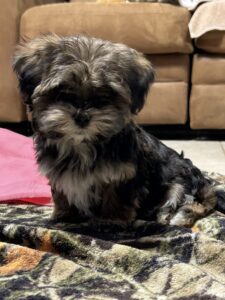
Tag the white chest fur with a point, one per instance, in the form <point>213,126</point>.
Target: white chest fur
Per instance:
<point>84,188</point>
<point>84,191</point>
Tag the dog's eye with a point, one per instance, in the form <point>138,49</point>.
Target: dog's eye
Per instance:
<point>73,100</point>
<point>68,98</point>
<point>100,102</point>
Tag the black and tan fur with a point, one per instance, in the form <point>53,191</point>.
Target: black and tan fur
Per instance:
<point>83,94</point>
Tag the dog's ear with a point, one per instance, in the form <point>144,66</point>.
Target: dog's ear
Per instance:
<point>140,77</point>
<point>58,82</point>
<point>49,86</point>
<point>30,61</point>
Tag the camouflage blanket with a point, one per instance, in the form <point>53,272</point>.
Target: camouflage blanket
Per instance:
<point>42,260</point>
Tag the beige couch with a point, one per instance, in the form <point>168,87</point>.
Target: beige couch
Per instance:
<point>207,100</point>
<point>158,30</point>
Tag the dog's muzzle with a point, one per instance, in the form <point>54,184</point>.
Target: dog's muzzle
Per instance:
<point>81,119</point>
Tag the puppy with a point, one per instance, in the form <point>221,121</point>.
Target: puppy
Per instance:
<point>83,94</point>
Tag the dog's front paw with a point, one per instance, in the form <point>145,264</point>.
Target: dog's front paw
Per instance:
<point>60,216</point>
<point>67,216</point>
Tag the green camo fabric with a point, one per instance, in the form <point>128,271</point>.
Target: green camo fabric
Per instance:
<point>42,260</point>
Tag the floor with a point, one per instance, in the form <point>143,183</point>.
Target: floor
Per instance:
<point>206,155</point>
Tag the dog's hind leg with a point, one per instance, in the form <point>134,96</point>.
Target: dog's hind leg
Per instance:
<point>208,198</point>
<point>174,198</point>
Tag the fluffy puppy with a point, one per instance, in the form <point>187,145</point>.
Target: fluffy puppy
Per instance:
<point>83,94</point>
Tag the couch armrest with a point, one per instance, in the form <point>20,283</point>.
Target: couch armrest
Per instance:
<point>11,107</point>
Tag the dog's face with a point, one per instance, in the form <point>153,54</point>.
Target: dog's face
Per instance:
<point>81,88</point>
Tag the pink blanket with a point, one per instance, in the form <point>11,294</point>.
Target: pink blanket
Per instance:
<point>19,177</point>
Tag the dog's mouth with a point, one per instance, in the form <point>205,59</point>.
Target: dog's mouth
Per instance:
<point>66,129</point>
<point>61,122</point>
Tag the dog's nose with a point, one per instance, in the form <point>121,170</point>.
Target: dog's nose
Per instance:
<point>81,118</point>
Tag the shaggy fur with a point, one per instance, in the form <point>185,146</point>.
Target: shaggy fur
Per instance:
<point>83,93</point>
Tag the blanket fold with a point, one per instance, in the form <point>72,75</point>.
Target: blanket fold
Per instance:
<point>20,179</point>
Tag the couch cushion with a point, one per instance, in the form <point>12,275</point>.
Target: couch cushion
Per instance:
<point>150,28</point>
<point>171,67</point>
<point>207,106</point>
<point>213,41</point>
<point>208,69</point>
<point>166,104</point>
<point>207,27</point>
<point>207,102</point>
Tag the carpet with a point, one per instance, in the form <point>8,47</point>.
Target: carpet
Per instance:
<point>40,259</point>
